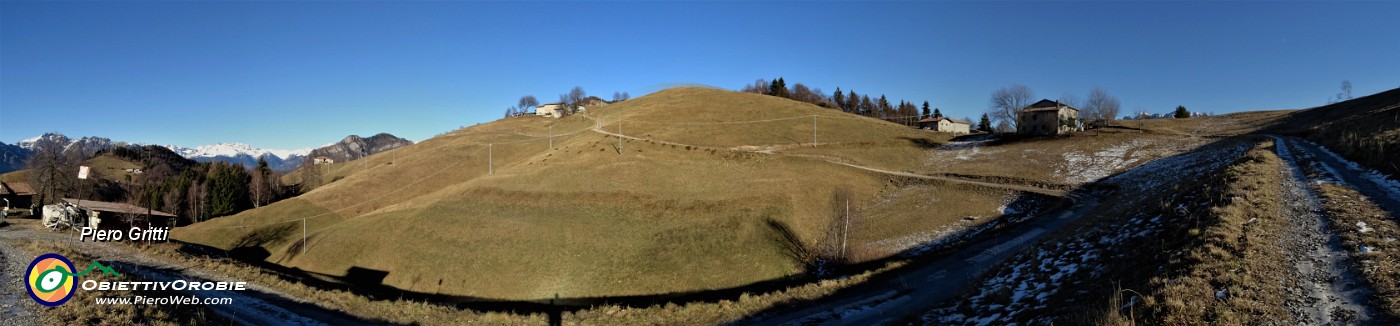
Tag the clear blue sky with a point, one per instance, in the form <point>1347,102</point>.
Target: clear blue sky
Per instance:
<point>303,74</point>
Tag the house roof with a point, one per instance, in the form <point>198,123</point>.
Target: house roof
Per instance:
<point>944,118</point>
<point>1047,105</point>
<point>16,188</point>
<point>123,208</point>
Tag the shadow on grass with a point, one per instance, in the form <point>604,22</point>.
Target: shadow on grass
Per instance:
<point>924,143</point>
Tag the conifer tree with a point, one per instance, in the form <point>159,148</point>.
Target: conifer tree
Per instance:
<point>840,100</point>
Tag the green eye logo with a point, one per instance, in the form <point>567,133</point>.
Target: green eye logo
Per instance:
<point>50,278</point>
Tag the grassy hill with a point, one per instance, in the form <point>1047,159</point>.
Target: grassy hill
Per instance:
<point>587,218</point>
<point>705,197</point>
<point>1365,130</point>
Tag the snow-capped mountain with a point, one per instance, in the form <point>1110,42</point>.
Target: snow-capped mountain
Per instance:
<point>86,146</point>
<point>245,155</point>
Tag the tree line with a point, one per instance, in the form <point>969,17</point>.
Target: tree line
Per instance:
<point>852,102</point>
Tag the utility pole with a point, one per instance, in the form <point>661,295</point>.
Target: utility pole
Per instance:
<point>551,137</point>
<point>490,158</point>
<point>619,136</point>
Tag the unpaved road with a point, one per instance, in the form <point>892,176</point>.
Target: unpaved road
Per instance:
<point>1326,292</point>
<point>255,306</point>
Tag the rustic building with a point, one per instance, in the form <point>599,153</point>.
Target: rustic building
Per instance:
<point>16,195</point>
<point>1048,118</point>
<point>555,110</point>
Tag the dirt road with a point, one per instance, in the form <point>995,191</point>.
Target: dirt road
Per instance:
<point>255,306</point>
<point>1328,292</point>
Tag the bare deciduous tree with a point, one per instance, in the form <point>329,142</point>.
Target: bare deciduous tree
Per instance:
<point>526,103</point>
<point>1071,100</point>
<point>1100,106</point>
<point>759,86</point>
<point>1008,102</point>
<point>621,96</point>
<point>573,99</point>
<point>53,170</point>
<point>800,92</point>
<point>834,247</point>
<point>1346,91</point>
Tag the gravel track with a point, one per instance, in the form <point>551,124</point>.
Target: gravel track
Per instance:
<point>1326,291</point>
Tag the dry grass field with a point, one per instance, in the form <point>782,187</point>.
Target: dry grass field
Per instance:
<point>588,218</point>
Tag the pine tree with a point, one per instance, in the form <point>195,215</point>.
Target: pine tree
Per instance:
<point>1182,113</point>
<point>926,114</point>
<point>985,124</point>
<point>936,113</point>
<point>779,88</point>
<point>852,102</point>
<point>840,100</point>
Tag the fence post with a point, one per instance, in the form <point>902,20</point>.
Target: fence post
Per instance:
<point>490,159</point>
<point>814,131</point>
<point>303,236</point>
<point>619,136</point>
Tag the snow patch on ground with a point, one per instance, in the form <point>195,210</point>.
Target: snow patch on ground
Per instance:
<point>1390,186</point>
<point>1162,171</point>
<point>1080,167</point>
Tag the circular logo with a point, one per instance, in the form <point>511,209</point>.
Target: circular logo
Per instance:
<point>50,279</point>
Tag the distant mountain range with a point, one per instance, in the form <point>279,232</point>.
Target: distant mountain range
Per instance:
<point>12,157</point>
<point>245,155</point>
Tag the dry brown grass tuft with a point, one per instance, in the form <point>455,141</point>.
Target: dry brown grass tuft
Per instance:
<point>1238,252</point>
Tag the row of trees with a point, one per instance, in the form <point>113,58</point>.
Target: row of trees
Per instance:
<point>1007,103</point>
<point>855,103</point>
<point>850,102</point>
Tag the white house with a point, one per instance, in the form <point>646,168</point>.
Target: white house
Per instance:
<point>946,125</point>
<point>550,110</point>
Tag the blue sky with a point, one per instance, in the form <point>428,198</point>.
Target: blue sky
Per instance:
<point>303,74</point>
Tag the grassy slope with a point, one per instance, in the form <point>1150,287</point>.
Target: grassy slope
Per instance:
<point>581,219</point>
<point>1365,130</point>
